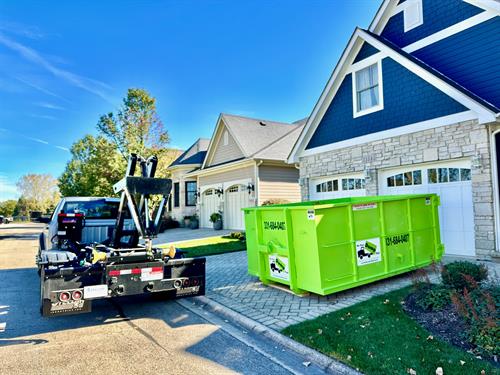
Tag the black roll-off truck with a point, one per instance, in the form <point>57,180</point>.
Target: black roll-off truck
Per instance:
<point>92,248</point>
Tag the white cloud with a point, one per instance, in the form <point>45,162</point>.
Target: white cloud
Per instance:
<point>88,84</point>
<point>62,148</point>
<point>45,117</point>
<point>41,89</point>
<point>50,106</point>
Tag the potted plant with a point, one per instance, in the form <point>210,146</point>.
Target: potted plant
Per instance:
<point>216,219</point>
<point>195,222</point>
<point>187,221</point>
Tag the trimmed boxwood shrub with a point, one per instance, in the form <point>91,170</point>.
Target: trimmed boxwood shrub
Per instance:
<point>455,274</point>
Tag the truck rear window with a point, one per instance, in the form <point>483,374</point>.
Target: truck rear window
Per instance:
<point>100,209</point>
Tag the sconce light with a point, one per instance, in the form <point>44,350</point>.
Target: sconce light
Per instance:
<point>250,188</point>
<point>477,161</point>
<point>198,193</point>
<point>369,173</point>
<point>219,192</point>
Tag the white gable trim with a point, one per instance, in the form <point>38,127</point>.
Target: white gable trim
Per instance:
<point>484,114</point>
<point>395,132</point>
<point>449,31</point>
<point>215,140</point>
<point>490,5</point>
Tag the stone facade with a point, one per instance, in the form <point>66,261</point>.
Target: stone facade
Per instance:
<point>462,140</point>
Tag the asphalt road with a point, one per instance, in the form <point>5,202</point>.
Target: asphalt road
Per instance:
<point>133,335</point>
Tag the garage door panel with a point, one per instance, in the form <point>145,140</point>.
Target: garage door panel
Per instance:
<point>456,215</point>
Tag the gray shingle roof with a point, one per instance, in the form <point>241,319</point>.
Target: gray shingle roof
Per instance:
<point>195,154</point>
<point>262,138</point>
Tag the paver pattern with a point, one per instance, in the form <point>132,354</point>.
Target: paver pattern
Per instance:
<point>229,284</point>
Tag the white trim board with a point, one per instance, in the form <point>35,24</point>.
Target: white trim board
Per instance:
<point>401,130</point>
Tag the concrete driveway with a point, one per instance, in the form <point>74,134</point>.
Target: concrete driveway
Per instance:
<point>185,234</point>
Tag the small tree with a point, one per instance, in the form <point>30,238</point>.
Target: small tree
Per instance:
<point>39,191</point>
<point>7,207</point>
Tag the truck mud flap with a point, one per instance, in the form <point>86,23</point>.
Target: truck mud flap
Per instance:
<point>58,308</point>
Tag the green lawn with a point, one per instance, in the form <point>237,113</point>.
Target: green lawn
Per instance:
<point>209,246</point>
<point>377,337</point>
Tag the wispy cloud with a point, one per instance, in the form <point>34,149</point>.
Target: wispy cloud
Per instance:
<point>31,32</point>
<point>41,89</point>
<point>88,84</point>
<point>50,106</point>
<point>38,140</point>
<point>8,189</point>
<point>44,117</point>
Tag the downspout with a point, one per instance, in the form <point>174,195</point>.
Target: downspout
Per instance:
<point>258,163</point>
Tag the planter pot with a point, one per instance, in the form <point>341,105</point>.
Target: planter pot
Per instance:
<point>195,224</point>
<point>218,225</point>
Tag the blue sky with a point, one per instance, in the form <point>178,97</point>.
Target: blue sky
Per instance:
<point>63,64</point>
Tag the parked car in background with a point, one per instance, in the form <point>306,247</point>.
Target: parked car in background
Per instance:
<point>5,219</point>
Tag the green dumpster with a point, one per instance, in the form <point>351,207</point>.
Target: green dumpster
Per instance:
<point>328,246</point>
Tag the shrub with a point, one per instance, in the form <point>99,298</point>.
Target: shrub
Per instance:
<point>237,235</point>
<point>168,223</point>
<point>434,297</point>
<point>216,216</point>
<point>479,309</point>
<point>460,275</point>
<point>272,201</point>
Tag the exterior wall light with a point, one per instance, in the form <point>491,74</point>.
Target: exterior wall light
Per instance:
<point>250,188</point>
<point>219,192</point>
<point>477,161</point>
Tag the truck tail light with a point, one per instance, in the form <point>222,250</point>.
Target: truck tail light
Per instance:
<point>64,296</point>
<point>76,295</point>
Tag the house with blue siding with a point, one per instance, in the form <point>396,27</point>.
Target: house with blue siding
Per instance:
<point>413,106</point>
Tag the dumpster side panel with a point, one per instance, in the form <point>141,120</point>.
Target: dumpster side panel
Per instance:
<point>335,246</point>
<point>397,235</point>
<point>307,264</point>
<point>251,240</point>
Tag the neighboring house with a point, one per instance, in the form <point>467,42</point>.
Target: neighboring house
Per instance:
<point>184,189</point>
<point>413,107</point>
<point>245,165</point>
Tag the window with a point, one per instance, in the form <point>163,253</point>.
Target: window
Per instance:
<point>226,138</point>
<point>413,14</point>
<point>176,194</point>
<point>367,90</point>
<point>353,183</point>
<point>444,175</point>
<point>209,192</point>
<point>190,193</point>
<point>405,179</point>
<point>233,189</point>
<point>96,209</point>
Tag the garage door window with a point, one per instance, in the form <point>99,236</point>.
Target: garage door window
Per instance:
<point>209,192</point>
<point>233,189</point>
<point>353,183</point>
<point>445,175</point>
<point>405,179</point>
<point>327,186</point>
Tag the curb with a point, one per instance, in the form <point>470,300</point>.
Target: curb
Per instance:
<point>328,364</point>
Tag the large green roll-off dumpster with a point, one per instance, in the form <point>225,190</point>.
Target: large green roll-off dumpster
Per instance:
<point>332,245</point>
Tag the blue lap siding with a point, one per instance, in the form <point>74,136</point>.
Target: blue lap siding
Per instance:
<point>366,51</point>
<point>408,99</point>
<point>438,15</point>
<point>475,64</point>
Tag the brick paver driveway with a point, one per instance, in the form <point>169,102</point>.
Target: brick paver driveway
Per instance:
<point>229,284</point>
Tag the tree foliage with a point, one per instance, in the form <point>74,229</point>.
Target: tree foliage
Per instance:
<point>7,207</point>
<point>99,162</point>
<point>93,169</point>
<point>39,192</point>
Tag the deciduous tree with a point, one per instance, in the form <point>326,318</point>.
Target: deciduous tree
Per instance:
<point>40,191</point>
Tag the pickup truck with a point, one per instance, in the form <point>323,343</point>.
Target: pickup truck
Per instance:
<point>97,248</point>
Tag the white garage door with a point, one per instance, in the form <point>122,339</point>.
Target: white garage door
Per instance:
<point>209,205</point>
<point>337,187</point>
<point>236,198</point>
<point>452,182</point>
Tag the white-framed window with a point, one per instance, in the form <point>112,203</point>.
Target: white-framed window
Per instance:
<point>413,14</point>
<point>226,138</point>
<point>367,89</point>
<point>342,184</point>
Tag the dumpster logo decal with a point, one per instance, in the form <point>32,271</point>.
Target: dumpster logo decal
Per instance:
<point>396,240</point>
<point>368,251</point>
<point>278,267</point>
<point>311,215</point>
<point>274,225</point>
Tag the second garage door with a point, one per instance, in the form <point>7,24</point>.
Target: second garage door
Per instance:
<point>209,204</point>
<point>236,198</point>
<point>452,182</point>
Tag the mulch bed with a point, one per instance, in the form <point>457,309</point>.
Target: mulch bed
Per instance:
<point>445,324</point>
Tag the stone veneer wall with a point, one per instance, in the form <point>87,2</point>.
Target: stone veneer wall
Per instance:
<point>464,139</point>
